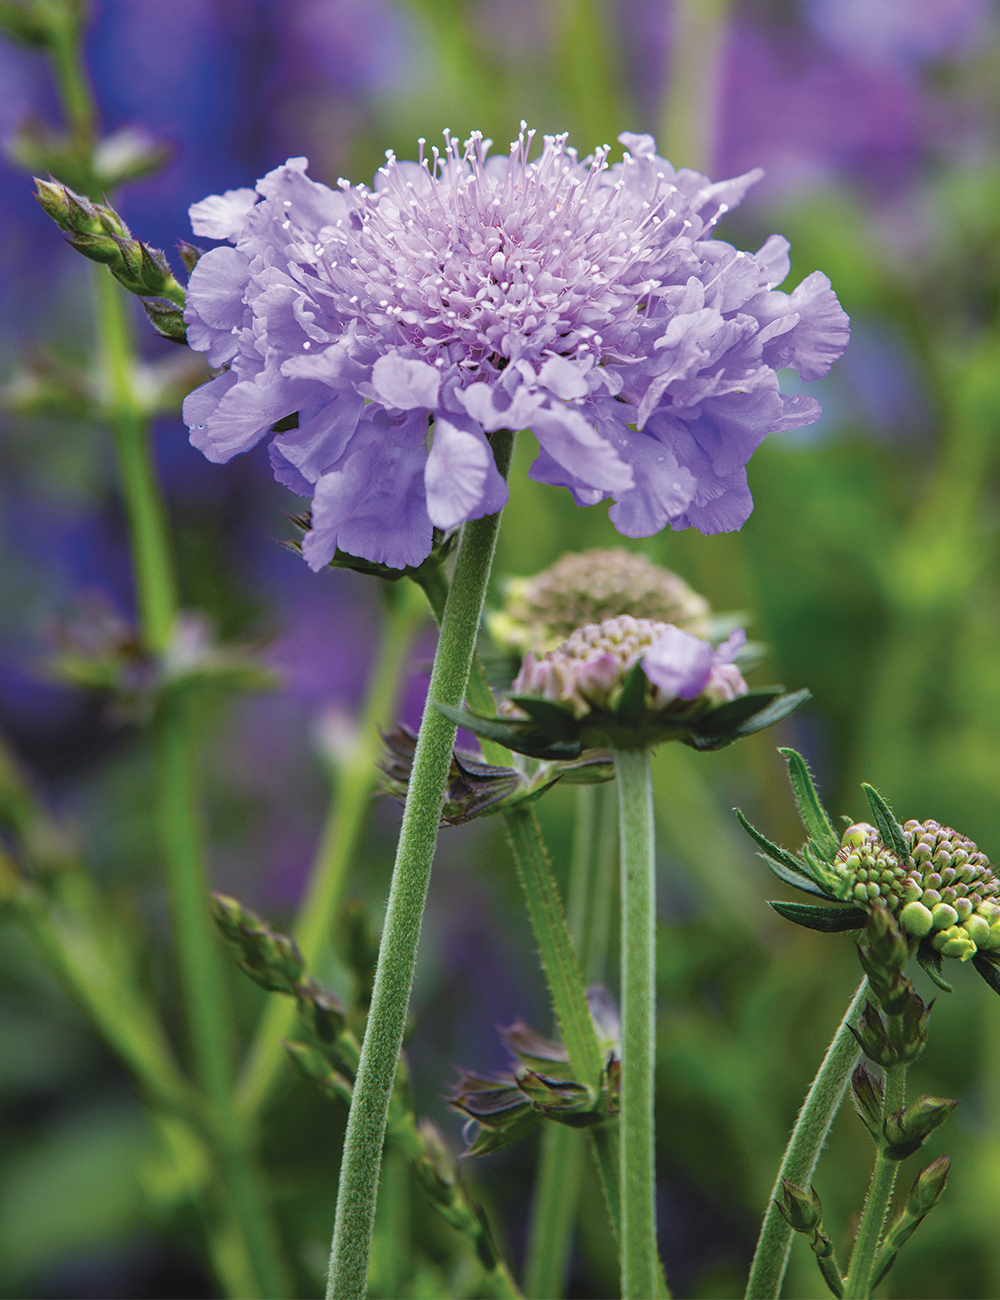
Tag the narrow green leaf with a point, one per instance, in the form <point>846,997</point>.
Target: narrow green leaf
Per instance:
<point>781,708</point>
<point>555,719</point>
<point>814,816</point>
<point>793,878</point>
<point>726,717</point>
<point>524,737</point>
<point>773,851</point>
<point>632,705</point>
<point>930,959</point>
<point>885,820</point>
<point>828,920</point>
<point>988,971</point>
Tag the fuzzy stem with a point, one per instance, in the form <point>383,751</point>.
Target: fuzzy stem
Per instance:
<point>555,946</point>
<point>873,1216</point>
<point>352,783</point>
<point>638,991</point>
<point>401,932</point>
<point>767,1272</point>
<point>560,1166</point>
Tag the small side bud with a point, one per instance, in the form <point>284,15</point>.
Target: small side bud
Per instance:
<point>868,1094</point>
<point>800,1209</point>
<point>312,1065</point>
<point>928,1188</point>
<point>906,1130</point>
<point>190,254</point>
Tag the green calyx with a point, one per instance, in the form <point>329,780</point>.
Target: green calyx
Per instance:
<point>540,1085</point>
<point>940,891</point>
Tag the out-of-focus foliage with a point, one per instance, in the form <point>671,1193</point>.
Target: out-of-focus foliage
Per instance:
<point>869,567</point>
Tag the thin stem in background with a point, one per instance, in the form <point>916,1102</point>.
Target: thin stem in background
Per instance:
<point>690,113</point>
<point>873,1216</point>
<point>362,1155</point>
<point>638,994</point>
<point>200,964</point>
<point>352,782</point>
<point>560,1166</point>
<point>767,1272</point>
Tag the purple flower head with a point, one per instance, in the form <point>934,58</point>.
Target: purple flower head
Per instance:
<point>588,671</point>
<point>464,294</point>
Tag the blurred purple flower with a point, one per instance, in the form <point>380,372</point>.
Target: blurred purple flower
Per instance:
<point>900,31</point>
<point>800,112</point>
<point>587,302</point>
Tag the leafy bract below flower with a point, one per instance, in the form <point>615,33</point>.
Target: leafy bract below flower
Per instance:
<point>390,331</point>
<point>629,683</point>
<point>587,586</point>
<point>940,889</point>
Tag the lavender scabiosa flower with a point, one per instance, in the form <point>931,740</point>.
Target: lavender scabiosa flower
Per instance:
<point>403,325</point>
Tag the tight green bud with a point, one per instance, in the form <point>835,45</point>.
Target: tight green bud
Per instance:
<point>907,1130</point>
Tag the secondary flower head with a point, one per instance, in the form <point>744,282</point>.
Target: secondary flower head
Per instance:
<point>589,670</point>
<point>942,892</point>
<point>627,683</point>
<point>586,587</point>
<point>390,331</point>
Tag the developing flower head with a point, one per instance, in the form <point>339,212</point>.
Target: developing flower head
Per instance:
<point>402,325</point>
<point>940,889</point>
<point>627,683</point>
<point>589,670</point>
<point>586,587</point>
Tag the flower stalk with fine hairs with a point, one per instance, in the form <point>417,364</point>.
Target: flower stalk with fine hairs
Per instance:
<point>628,684</point>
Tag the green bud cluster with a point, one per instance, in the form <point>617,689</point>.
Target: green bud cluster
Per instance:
<point>588,587</point>
<point>945,889</point>
<point>98,232</point>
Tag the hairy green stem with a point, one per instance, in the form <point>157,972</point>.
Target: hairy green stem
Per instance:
<point>353,781</point>
<point>560,1165</point>
<point>873,1216</point>
<point>638,993</point>
<point>767,1272</point>
<point>362,1155</point>
<point>555,946</point>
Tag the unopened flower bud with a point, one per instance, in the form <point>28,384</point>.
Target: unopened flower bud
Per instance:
<point>917,919</point>
<point>907,1130</point>
<point>802,1210</point>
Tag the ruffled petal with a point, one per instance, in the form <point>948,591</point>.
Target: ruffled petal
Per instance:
<point>405,384</point>
<point>461,477</point>
<point>573,442</point>
<point>221,216</point>
<point>679,664</point>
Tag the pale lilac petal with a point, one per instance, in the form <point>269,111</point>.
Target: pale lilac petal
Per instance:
<point>372,504</point>
<point>320,440</point>
<point>774,262</point>
<point>405,384</point>
<point>678,663</point>
<point>221,216</point>
<point>563,378</point>
<point>461,477</point>
<point>573,441</point>
<point>730,648</point>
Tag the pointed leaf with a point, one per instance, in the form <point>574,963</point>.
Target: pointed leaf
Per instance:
<point>989,972</point>
<point>555,719</point>
<point>524,737</point>
<point>814,816</point>
<point>794,878</point>
<point>828,920</point>
<point>885,820</point>
<point>781,708</point>
<point>726,717</point>
<point>930,959</point>
<point>632,705</point>
<point>773,854</point>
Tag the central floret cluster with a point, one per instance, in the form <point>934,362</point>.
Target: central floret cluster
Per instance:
<point>390,331</point>
<point>588,671</point>
<point>587,586</point>
<point>945,890</point>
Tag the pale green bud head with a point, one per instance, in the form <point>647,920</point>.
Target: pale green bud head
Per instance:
<point>588,587</point>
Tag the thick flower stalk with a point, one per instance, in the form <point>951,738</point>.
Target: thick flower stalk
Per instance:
<point>390,332</point>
